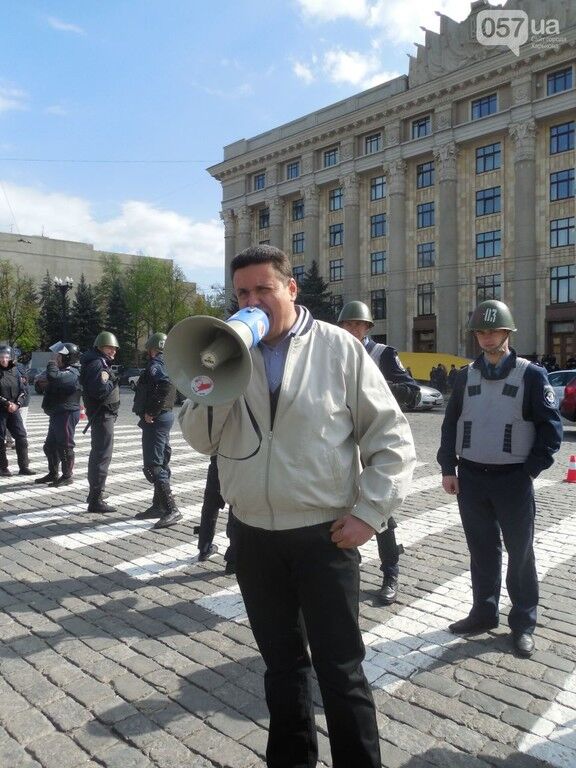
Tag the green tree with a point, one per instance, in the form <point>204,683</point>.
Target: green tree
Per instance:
<point>119,321</point>
<point>18,307</point>
<point>50,316</point>
<point>314,293</point>
<point>85,317</point>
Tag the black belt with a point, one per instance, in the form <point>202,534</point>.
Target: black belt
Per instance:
<point>474,466</point>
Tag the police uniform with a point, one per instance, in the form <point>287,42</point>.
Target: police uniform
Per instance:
<point>402,385</point>
<point>155,396</point>
<point>61,402</point>
<point>501,430</point>
<point>101,395</point>
<point>13,390</point>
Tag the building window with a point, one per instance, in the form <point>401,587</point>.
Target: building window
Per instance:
<point>336,303</point>
<point>335,199</point>
<point>293,170</point>
<point>562,184</point>
<point>331,157</point>
<point>422,126</point>
<point>297,210</point>
<point>487,105</point>
<point>488,158</point>
<point>425,175</point>
<point>377,188</point>
<point>336,267</point>
<point>378,304</point>
<point>562,232</point>
<point>425,215</point>
<point>563,284</point>
<point>336,234</point>
<point>378,225</point>
<point>488,287</point>
<point>263,218</point>
<point>378,263</point>
<point>259,181</point>
<point>372,144</point>
<point>488,244</point>
<point>425,294</point>
<point>425,254</point>
<point>487,201</point>
<point>559,81</point>
<point>561,137</point>
<point>298,273</point>
<point>298,242</point>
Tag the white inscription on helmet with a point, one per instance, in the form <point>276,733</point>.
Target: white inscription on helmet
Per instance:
<point>490,315</point>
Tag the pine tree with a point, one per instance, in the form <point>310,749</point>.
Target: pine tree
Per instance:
<point>315,295</point>
<point>119,322</point>
<point>85,319</point>
<point>50,319</point>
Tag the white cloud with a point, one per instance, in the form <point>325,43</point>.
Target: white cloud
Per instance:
<point>327,10</point>
<point>361,70</point>
<point>196,246</point>
<point>12,99</point>
<point>63,26</point>
<point>303,72</point>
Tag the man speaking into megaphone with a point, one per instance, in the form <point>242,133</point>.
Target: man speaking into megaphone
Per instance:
<point>314,455</point>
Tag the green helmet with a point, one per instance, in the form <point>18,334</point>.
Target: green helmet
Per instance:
<point>106,339</point>
<point>156,341</point>
<point>356,310</point>
<point>491,315</point>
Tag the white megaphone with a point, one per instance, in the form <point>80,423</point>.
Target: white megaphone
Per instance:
<point>208,360</point>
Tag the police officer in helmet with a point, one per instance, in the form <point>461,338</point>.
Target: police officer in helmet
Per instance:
<point>101,395</point>
<point>356,318</point>
<point>500,431</point>
<point>153,402</point>
<point>13,392</point>
<point>60,384</point>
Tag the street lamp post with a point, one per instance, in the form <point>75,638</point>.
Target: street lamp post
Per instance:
<point>63,286</point>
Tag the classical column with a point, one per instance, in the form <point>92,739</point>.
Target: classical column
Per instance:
<point>396,334</point>
<point>310,194</point>
<point>446,299</point>
<point>276,222</point>
<point>227,216</point>
<point>351,236</point>
<point>525,258</point>
<point>243,230</point>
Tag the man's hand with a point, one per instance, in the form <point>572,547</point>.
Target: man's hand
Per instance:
<point>349,531</point>
<point>12,407</point>
<point>450,484</point>
<point>148,419</point>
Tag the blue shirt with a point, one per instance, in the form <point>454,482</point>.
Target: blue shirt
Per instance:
<point>275,357</point>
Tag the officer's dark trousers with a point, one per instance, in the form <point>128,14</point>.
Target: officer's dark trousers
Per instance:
<point>102,445</point>
<point>493,503</point>
<point>283,573</point>
<point>61,429</point>
<point>156,449</point>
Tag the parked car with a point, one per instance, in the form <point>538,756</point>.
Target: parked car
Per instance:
<point>124,380</point>
<point>568,403</point>
<point>133,380</point>
<point>559,379</point>
<point>430,398</point>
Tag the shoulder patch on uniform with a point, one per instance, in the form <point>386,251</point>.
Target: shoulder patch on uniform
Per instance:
<point>399,363</point>
<point>104,376</point>
<point>549,395</point>
<point>154,371</point>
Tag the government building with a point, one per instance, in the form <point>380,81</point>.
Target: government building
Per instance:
<point>433,191</point>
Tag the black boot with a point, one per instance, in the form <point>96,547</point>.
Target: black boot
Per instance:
<point>4,471</point>
<point>23,461</point>
<point>388,592</point>
<point>170,512</point>
<point>53,462</point>
<point>97,504</point>
<point>154,511</point>
<point>67,458</point>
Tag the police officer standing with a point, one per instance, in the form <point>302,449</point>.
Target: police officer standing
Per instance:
<point>101,395</point>
<point>356,318</point>
<point>500,430</point>
<point>153,403</point>
<point>60,385</point>
<point>13,392</point>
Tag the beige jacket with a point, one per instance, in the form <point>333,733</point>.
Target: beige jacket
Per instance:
<point>339,442</point>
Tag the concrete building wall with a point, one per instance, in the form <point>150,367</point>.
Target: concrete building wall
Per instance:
<point>428,117</point>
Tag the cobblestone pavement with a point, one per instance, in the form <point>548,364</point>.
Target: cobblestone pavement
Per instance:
<point>119,649</point>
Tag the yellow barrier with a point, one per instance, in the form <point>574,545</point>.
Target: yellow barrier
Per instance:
<point>421,363</point>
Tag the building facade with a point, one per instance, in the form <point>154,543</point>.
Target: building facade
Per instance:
<point>433,191</point>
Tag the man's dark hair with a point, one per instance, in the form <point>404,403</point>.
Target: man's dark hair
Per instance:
<point>263,254</point>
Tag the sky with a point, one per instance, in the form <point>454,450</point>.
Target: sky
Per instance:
<point>111,110</point>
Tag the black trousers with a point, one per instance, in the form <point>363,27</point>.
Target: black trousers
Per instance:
<point>286,577</point>
<point>102,445</point>
<point>496,506</point>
